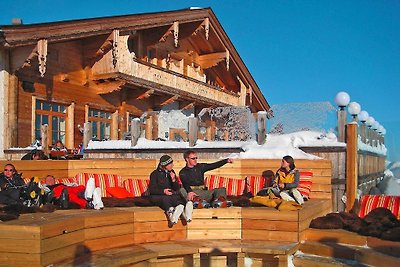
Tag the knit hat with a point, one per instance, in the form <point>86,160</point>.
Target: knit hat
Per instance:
<point>165,160</point>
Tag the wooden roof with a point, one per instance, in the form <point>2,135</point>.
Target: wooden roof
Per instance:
<point>21,35</point>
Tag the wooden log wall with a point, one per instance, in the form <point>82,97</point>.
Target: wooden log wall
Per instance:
<point>337,155</point>
<point>141,168</point>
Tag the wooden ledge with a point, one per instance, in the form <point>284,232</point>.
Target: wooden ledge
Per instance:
<point>113,257</point>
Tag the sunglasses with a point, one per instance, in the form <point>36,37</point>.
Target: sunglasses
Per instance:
<point>193,158</point>
<point>8,170</point>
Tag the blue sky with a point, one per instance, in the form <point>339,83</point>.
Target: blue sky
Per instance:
<point>297,51</point>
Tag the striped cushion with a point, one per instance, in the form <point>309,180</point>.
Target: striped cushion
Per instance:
<point>101,180</point>
<point>305,183</point>
<point>234,187</point>
<point>137,187</point>
<point>255,184</point>
<point>370,202</point>
<point>66,180</point>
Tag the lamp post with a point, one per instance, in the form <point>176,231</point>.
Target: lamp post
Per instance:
<point>342,99</point>
<point>354,109</point>
<point>369,122</point>
<point>362,117</point>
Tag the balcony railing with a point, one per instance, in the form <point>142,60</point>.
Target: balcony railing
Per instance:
<point>170,81</point>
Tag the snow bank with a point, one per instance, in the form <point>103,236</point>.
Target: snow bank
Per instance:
<point>276,146</point>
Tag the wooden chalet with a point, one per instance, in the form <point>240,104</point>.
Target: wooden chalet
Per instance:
<point>108,70</point>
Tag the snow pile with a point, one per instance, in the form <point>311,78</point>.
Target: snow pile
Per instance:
<point>379,149</point>
<point>276,146</point>
<point>390,185</point>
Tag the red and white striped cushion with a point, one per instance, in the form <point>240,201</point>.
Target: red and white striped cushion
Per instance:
<point>101,180</point>
<point>69,180</point>
<point>370,202</point>
<point>305,183</point>
<point>234,187</point>
<point>137,187</point>
<point>255,184</point>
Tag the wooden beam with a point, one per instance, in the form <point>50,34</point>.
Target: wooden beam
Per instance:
<point>211,60</point>
<point>169,101</point>
<point>107,87</point>
<point>145,94</point>
<point>187,106</point>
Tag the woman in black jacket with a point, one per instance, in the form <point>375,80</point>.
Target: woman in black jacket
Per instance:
<point>164,191</point>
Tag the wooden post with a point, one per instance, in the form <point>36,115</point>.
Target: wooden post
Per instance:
<point>212,130</point>
<point>193,129</point>
<point>363,132</point>
<point>45,138</point>
<point>122,121</point>
<point>135,131</point>
<point>342,120</point>
<point>261,126</point>
<point>70,127</point>
<point>13,110</point>
<point>149,128</point>
<point>351,165</point>
<point>114,125</point>
<point>87,133</point>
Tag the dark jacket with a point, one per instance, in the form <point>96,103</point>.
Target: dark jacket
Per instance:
<point>160,180</point>
<point>195,176</point>
<point>15,182</point>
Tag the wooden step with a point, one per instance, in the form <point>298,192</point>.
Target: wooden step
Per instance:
<point>331,250</point>
<point>124,256</point>
<point>348,253</point>
<point>308,260</point>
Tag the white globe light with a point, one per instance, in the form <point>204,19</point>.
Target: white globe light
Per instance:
<point>342,99</point>
<point>384,131</point>
<point>375,125</point>
<point>363,116</point>
<point>354,108</point>
<point>380,129</point>
<point>370,121</point>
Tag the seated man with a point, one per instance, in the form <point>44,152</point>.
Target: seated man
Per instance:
<point>10,186</point>
<point>61,194</point>
<point>192,177</point>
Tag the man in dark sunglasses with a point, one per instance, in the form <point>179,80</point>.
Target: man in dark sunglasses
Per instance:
<point>192,177</point>
<point>10,185</point>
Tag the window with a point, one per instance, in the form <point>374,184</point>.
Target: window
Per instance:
<point>52,114</point>
<point>101,124</point>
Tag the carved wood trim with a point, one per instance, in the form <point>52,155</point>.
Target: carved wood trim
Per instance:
<point>42,56</point>
<point>174,30</point>
<point>115,39</point>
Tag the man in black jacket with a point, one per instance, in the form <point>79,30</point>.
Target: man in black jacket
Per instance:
<point>10,185</point>
<point>192,177</point>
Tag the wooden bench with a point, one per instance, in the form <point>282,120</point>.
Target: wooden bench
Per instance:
<point>218,235</point>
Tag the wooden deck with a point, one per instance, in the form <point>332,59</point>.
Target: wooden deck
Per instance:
<point>140,236</point>
<point>41,239</point>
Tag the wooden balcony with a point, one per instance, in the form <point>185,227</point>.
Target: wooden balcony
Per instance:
<point>146,75</point>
